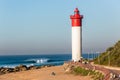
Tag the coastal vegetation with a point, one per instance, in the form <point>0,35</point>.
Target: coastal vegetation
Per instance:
<point>95,75</point>
<point>111,57</point>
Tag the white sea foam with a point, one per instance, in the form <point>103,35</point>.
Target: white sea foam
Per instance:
<point>8,66</point>
<point>38,60</point>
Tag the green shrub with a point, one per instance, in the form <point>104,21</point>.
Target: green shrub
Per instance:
<point>84,72</point>
<point>81,71</point>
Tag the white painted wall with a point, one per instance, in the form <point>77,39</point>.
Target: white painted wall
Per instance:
<point>76,43</point>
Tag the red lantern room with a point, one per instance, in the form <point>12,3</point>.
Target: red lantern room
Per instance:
<point>76,18</point>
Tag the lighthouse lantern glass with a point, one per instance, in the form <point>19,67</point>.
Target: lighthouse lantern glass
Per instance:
<point>76,12</point>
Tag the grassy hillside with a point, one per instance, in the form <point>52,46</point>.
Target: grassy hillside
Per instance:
<point>110,57</point>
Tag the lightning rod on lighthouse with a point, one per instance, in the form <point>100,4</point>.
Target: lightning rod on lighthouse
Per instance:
<point>76,22</point>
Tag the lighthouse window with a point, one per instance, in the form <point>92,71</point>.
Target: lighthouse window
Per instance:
<point>76,12</point>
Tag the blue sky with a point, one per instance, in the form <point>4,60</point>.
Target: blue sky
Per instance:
<point>43,26</point>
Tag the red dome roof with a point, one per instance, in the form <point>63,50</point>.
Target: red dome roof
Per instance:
<point>76,10</point>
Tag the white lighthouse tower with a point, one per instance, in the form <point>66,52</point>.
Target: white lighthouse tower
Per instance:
<point>76,20</point>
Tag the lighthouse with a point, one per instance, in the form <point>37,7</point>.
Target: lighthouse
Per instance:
<point>76,22</point>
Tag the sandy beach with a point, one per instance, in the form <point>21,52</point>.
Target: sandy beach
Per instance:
<point>43,74</point>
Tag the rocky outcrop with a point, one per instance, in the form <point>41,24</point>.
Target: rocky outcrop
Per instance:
<point>68,67</point>
<point>21,68</point>
<point>33,67</point>
<point>4,70</point>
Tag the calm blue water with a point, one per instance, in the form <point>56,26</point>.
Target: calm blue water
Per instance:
<point>38,60</point>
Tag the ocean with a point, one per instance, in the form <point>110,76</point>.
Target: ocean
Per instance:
<point>38,60</point>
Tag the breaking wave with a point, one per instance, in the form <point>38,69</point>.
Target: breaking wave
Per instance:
<point>41,60</point>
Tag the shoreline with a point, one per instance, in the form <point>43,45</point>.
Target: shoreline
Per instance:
<point>45,73</point>
<point>19,68</point>
<point>50,72</point>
